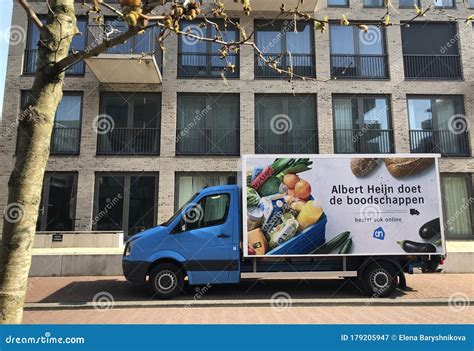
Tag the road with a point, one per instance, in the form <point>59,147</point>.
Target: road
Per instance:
<point>436,298</point>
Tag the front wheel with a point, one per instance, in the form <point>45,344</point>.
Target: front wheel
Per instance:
<point>379,279</point>
<point>166,281</point>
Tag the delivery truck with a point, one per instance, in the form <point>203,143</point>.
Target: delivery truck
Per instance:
<point>370,218</point>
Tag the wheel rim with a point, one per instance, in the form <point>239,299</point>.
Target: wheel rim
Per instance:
<point>380,280</point>
<point>166,281</point>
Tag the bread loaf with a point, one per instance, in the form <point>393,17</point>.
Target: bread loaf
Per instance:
<point>362,167</point>
<point>404,167</point>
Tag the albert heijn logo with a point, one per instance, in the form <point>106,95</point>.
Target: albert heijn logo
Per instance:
<point>379,233</point>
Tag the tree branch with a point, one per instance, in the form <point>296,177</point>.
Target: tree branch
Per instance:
<point>31,14</point>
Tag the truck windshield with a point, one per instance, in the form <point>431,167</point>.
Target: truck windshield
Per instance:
<point>177,213</point>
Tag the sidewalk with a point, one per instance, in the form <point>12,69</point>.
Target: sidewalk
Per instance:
<point>66,290</point>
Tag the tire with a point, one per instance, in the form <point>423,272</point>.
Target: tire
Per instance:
<point>379,279</point>
<point>166,281</point>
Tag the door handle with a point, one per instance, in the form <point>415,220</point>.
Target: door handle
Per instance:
<point>223,236</point>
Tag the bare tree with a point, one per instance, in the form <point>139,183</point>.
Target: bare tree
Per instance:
<point>35,122</point>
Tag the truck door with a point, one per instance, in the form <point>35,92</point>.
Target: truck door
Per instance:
<point>205,239</point>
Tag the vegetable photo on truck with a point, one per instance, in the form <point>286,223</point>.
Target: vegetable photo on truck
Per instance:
<point>364,217</point>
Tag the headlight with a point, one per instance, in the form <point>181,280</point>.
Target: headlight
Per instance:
<point>128,248</point>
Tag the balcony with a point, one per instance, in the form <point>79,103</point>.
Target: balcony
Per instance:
<point>296,141</point>
<point>129,141</point>
<point>206,65</point>
<point>364,141</point>
<point>432,67</point>
<point>30,64</point>
<point>303,65</point>
<point>444,142</point>
<point>135,61</point>
<point>359,66</point>
<point>214,142</point>
<point>65,141</point>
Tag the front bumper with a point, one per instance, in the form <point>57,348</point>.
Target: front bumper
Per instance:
<point>135,271</point>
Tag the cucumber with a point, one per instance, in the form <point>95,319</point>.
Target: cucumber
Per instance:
<point>346,247</point>
<point>332,244</point>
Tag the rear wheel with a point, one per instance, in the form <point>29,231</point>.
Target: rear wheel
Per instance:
<point>379,279</point>
<point>166,281</point>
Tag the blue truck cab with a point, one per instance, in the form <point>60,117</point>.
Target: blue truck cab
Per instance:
<point>201,244</point>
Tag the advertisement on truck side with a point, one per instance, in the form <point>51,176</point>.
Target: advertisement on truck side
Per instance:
<point>310,205</point>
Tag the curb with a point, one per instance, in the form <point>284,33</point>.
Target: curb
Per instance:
<point>240,303</point>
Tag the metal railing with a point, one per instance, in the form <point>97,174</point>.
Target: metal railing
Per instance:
<point>432,66</point>
<point>138,44</point>
<point>359,66</point>
<point>445,142</point>
<point>129,141</point>
<point>31,63</point>
<point>295,141</point>
<point>367,141</point>
<point>197,141</point>
<point>207,65</point>
<point>303,65</point>
<point>65,141</point>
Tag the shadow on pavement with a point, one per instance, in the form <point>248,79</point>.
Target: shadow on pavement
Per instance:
<point>84,291</point>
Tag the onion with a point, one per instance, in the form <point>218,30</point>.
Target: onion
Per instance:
<point>290,180</point>
<point>302,189</point>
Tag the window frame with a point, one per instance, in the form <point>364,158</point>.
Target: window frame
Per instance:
<point>222,221</point>
<point>453,6</point>
<point>208,30</point>
<point>31,26</point>
<point>202,175</point>
<point>209,97</point>
<point>45,195</point>
<point>285,111</point>
<point>126,199</point>
<point>470,184</point>
<point>338,6</point>
<point>418,3</point>
<point>23,104</point>
<point>372,6</point>
<point>360,100</point>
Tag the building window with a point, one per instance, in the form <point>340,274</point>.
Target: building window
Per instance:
<point>408,3</point>
<point>285,124</point>
<point>285,46</point>
<point>362,124</point>
<point>436,58</point>
<point>66,135</point>
<point>189,183</point>
<point>197,58</point>
<point>144,43</point>
<point>58,202</point>
<point>438,125</point>
<point>31,51</point>
<point>358,54</point>
<point>444,3</point>
<point>338,3</point>
<point>129,124</point>
<point>458,209</point>
<point>125,202</point>
<point>471,4</point>
<point>373,3</point>
<point>208,124</point>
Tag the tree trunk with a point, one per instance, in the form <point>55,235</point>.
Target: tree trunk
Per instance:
<point>35,125</point>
